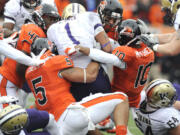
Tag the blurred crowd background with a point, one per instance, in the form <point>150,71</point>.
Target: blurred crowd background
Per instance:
<point>150,12</point>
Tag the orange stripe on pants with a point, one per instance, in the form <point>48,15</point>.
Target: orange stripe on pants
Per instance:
<point>103,99</point>
<point>3,89</point>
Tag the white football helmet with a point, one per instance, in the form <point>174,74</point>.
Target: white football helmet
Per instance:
<point>160,93</point>
<point>173,5</point>
<point>13,119</point>
<point>72,10</point>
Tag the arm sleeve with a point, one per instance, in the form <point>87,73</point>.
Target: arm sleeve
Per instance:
<point>15,54</point>
<point>107,58</point>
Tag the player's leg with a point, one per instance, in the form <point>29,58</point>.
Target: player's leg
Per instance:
<point>115,105</point>
<point>74,120</point>
<point>7,88</point>
<point>41,120</point>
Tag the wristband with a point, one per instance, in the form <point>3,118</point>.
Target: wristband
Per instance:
<point>155,47</point>
<point>105,44</point>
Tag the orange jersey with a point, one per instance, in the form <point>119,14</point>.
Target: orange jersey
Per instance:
<point>51,91</point>
<point>29,32</point>
<point>132,79</point>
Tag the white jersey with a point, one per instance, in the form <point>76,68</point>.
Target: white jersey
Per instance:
<point>15,13</point>
<point>158,122</point>
<point>177,20</point>
<point>81,29</point>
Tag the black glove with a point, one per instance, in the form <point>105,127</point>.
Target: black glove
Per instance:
<point>148,40</point>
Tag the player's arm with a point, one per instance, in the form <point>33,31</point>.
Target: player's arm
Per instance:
<point>99,33</point>
<point>177,105</point>
<point>104,41</point>
<point>8,29</point>
<point>85,75</point>
<point>164,38</point>
<point>171,48</point>
<point>175,131</point>
<point>102,56</point>
<point>10,10</point>
<point>15,54</point>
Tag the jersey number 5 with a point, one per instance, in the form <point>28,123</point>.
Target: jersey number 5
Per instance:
<point>39,89</point>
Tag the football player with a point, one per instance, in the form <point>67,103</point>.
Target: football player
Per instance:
<point>132,60</point>
<point>12,73</point>
<point>156,115</point>
<point>82,29</point>
<point>18,56</point>
<point>17,13</point>
<point>51,88</point>
<point>110,12</point>
<point>16,120</point>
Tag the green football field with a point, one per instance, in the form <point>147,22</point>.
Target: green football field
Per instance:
<point>131,125</point>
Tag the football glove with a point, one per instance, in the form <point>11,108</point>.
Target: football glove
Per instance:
<point>12,40</point>
<point>148,40</point>
<point>8,99</point>
<point>36,59</point>
<point>71,50</point>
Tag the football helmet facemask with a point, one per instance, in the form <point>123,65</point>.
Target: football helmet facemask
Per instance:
<point>40,43</point>
<point>31,4</point>
<point>13,119</point>
<point>128,30</point>
<point>72,10</point>
<point>45,15</point>
<point>160,93</point>
<point>110,10</point>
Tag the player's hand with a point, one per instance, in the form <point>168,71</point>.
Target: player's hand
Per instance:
<point>36,59</point>
<point>148,40</point>
<point>8,99</point>
<point>71,50</point>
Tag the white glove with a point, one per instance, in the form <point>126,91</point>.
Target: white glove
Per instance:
<point>36,61</point>
<point>70,50</point>
<point>12,39</point>
<point>8,99</point>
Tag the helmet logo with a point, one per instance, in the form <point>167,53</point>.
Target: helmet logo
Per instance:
<point>163,95</point>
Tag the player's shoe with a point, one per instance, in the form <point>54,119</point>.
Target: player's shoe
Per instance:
<point>105,124</point>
